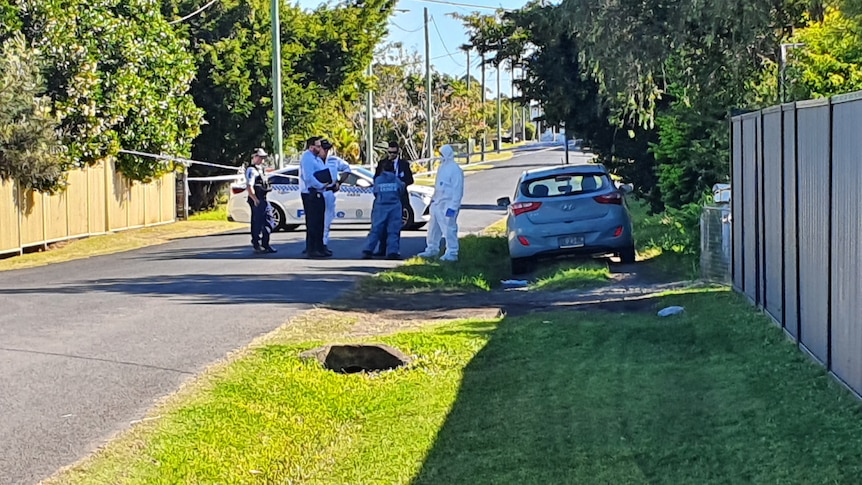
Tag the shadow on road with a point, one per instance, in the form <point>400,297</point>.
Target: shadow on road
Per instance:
<point>204,288</point>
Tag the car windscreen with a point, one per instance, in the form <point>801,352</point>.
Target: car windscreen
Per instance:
<point>559,185</point>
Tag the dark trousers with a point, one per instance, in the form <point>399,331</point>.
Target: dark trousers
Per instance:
<point>384,237</point>
<point>259,235</point>
<point>314,206</point>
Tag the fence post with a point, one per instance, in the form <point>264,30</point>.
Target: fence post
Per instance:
<point>107,197</point>
<point>20,204</point>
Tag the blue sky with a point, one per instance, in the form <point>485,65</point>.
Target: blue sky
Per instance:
<point>445,34</point>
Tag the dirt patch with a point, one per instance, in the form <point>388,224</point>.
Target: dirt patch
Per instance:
<point>387,313</point>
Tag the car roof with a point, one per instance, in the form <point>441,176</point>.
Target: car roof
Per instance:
<point>576,168</point>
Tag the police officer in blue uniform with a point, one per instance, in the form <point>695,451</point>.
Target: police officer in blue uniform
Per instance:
<point>386,212</point>
<point>257,187</point>
<point>311,165</point>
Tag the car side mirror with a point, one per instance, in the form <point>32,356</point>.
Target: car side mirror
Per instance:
<point>504,202</point>
<point>627,188</point>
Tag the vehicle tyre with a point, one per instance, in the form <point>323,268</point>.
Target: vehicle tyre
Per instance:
<point>521,265</point>
<point>406,218</point>
<point>627,255</point>
<point>279,219</point>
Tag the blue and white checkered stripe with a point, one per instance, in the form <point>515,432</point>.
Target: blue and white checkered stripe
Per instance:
<point>347,190</point>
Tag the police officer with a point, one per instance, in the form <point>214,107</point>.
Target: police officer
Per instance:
<point>339,169</point>
<point>311,166</point>
<point>404,174</point>
<point>257,187</point>
<point>386,212</point>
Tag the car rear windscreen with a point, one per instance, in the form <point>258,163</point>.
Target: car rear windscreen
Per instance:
<point>565,184</point>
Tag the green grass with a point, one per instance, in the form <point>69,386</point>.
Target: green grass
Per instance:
<point>572,275</point>
<point>663,243</point>
<point>217,214</point>
<point>483,262</point>
<point>715,395</point>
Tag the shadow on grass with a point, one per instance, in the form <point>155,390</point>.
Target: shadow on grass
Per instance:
<point>716,395</point>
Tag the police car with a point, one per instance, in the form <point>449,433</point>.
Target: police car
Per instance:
<point>353,202</point>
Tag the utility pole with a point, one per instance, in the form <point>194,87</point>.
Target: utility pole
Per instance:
<point>369,120</point>
<point>566,141</point>
<point>428,118</point>
<point>484,129</point>
<point>470,135</point>
<point>499,113</point>
<point>512,99</point>
<point>782,89</point>
<point>277,141</point>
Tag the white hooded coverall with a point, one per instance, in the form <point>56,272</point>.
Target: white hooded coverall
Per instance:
<point>445,205</point>
<point>336,166</point>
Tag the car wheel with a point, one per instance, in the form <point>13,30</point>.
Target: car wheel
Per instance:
<point>627,255</point>
<point>279,218</point>
<point>521,265</point>
<point>406,218</point>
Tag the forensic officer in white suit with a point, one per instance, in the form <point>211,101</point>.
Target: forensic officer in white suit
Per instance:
<point>445,205</point>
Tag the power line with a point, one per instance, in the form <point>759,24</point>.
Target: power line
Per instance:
<point>405,30</point>
<point>193,13</point>
<point>434,21</point>
<point>468,5</point>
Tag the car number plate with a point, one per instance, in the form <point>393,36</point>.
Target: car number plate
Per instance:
<point>571,241</point>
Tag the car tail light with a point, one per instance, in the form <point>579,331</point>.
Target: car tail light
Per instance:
<point>618,232</point>
<point>237,190</point>
<point>523,241</point>
<point>612,198</point>
<point>519,208</point>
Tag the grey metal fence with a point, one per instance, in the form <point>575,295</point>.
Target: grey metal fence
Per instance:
<point>797,224</point>
<point>715,243</point>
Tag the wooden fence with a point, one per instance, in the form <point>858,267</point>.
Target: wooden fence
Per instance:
<point>98,200</point>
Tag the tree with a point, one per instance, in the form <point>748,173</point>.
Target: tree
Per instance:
<point>830,61</point>
<point>117,76</point>
<point>30,149</point>
<point>324,56</point>
<point>400,101</point>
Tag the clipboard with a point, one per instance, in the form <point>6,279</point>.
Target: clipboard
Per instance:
<point>323,176</point>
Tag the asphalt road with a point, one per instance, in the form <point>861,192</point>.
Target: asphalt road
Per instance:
<point>86,347</point>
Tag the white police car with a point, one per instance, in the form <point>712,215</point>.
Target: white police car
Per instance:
<point>353,201</point>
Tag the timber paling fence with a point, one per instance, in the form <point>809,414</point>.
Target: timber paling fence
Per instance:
<point>97,200</point>
<point>797,224</point>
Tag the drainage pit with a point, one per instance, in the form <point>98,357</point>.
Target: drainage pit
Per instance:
<point>356,358</point>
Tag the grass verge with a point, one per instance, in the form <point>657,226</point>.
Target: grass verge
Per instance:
<point>117,242</point>
<point>483,262</point>
<point>572,275</point>
<point>664,243</point>
<point>715,395</point>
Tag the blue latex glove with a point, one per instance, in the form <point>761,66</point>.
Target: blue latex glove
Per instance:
<point>450,212</point>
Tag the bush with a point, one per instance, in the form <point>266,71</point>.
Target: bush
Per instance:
<point>30,150</point>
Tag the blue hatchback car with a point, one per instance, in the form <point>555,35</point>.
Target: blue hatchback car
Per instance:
<point>567,210</point>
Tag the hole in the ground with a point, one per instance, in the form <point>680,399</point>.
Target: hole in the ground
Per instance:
<point>355,358</point>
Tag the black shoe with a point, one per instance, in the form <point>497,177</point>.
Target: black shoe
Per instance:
<point>318,255</point>
<point>393,256</point>
<point>327,252</point>
<point>379,254</point>
<point>367,254</point>
<point>259,250</point>
<point>269,250</point>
